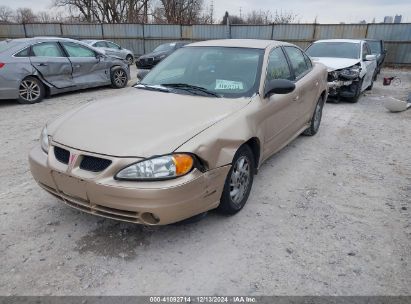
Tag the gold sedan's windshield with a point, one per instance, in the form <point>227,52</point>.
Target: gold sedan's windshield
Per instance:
<point>219,71</point>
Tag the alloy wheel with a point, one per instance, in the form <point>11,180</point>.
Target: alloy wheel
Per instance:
<point>240,180</point>
<point>120,78</point>
<point>29,90</point>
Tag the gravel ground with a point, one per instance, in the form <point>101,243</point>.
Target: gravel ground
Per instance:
<point>328,215</point>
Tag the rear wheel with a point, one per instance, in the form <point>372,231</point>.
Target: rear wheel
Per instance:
<point>316,119</point>
<point>119,77</point>
<point>238,183</point>
<point>31,90</point>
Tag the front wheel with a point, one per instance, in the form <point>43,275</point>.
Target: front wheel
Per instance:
<point>31,90</point>
<point>316,119</point>
<point>130,59</point>
<point>358,92</point>
<point>238,183</point>
<point>119,77</point>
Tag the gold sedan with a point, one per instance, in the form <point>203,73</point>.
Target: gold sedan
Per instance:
<point>189,138</point>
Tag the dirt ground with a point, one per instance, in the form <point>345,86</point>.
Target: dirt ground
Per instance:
<point>328,215</point>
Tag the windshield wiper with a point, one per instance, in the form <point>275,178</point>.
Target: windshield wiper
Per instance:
<point>190,88</point>
<point>152,87</point>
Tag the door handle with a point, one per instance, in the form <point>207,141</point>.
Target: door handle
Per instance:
<point>77,66</point>
<point>296,98</point>
<point>316,83</point>
<point>42,64</point>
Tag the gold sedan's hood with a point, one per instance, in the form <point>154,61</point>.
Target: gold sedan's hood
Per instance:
<point>142,123</point>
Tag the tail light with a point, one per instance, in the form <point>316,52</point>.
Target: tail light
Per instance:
<point>2,64</point>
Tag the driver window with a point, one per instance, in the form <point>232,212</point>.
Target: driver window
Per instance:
<point>365,50</point>
<point>77,50</point>
<point>277,66</point>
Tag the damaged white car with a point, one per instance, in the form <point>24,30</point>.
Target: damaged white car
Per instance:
<point>351,66</point>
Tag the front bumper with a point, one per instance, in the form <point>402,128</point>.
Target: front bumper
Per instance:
<point>150,203</point>
<point>146,64</point>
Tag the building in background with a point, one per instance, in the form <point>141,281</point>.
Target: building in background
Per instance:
<point>388,19</point>
<point>397,18</point>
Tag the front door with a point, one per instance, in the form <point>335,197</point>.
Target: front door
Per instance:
<point>280,111</point>
<point>369,66</point>
<point>88,69</point>
<point>50,61</point>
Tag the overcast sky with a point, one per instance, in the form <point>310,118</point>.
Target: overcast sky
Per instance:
<point>326,11</point>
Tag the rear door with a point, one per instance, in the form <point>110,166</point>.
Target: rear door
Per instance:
<point>115,50</point>
<point>88,70</point>
<point>305,86</point>
<point>50,61</point>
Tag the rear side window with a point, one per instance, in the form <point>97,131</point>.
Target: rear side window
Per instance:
<point>297,60</point>
<point>100,44</point>
<point>112,45</point>
<point>277,66</point>
<point>77,50</point>
<point>47,49</point>
<point>23,53</point>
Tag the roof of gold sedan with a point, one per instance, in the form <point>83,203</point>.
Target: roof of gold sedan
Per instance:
<point>245,43</point>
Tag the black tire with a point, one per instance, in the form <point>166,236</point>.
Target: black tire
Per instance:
<point>119,78</point>
<point>230,203</point>
<point>31,90</point>
<point>130,59</point>
<point>315,119</point>
<point>357,91</point>
<point>369,88</point>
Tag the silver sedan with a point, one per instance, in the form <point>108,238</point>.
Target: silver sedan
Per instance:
<point>32,68</point>
<point>111,48</point>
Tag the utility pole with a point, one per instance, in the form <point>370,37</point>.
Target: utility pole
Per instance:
<point>212,12</point>
<point>241,17</point>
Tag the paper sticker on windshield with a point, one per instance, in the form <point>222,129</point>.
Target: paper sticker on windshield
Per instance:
<point>228,85</point>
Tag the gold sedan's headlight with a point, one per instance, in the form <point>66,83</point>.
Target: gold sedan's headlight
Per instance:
<point>158,168</point>
<point>44,140</point>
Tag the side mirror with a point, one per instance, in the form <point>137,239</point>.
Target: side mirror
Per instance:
<point>278,86</point>
<point>141,74</point>
<point>370,57</point>
<point>99,56</point>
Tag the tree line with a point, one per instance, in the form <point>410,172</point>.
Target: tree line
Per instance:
<point>137,11</point>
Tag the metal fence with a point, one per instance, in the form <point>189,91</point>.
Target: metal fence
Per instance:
<point>142,38</point>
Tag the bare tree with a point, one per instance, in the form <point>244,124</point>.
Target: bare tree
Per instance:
<point>259,17</point>
<point>284,17</point>
<point>44,17</point>
<point>6,14</point>
<point>267,17</point>
<point>233,19</point>
<point>25,15</point>
<point>106,11</point>
<point>182,11</point>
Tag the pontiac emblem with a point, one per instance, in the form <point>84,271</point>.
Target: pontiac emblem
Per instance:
<point>72,161</point>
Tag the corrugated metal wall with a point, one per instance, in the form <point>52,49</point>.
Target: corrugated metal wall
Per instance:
<point>144,38</point>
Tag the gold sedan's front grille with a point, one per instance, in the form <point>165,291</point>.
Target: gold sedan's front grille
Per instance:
<point>86,206</point>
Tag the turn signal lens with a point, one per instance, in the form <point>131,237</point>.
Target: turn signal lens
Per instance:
<point>2,64</point>
<point>183,163</point>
